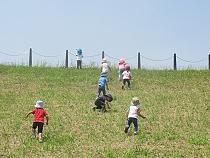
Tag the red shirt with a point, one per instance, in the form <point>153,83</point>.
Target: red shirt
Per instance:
<point>39,114</point>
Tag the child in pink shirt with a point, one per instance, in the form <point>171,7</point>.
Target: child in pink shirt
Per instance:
<point>121,66</point>
<point>38,121</point>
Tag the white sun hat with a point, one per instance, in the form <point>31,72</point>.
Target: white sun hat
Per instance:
<point>39,104</point>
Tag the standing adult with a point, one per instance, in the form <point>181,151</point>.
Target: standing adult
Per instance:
<point>79,58</point>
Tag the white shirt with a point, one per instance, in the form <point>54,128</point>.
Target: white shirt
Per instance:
<point>132,111</point>
<point>79,57</point>
<point>126,74</point>
<point>105,68</point>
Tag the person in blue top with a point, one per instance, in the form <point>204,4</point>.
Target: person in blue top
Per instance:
<point>102,84</point>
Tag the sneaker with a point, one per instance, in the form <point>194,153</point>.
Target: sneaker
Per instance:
<point>126,129</point>
<point>135,132</point>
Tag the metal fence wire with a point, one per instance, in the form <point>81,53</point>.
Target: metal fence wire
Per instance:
<point>39,59</point>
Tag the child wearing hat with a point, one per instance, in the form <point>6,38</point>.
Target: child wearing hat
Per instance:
<point>101,103</point>
<point>126,76</point>
<point>105,68</point>
<point>39,114</point>
<point>102,84</point>
<point>121,67</point>
<point>132,115</point>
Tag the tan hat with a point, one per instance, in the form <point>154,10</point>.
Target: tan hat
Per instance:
<point>135,101</point>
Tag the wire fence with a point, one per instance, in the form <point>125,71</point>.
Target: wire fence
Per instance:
<point>68,59</point>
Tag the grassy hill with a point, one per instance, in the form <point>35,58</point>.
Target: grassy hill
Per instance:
<point>176,103</point>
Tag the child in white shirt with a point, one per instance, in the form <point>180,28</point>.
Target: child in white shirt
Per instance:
<point>132,115</point>
<point>126,76</point>
<point>105,68</point>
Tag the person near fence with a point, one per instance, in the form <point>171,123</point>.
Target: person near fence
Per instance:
<point>102,84</point>
<point>105,68</point>
<point>121,67</point>
<point>39,115</point>
<point>132,114</point>
<point>102,101</point>
<point>126,75</point>
<point>79,56</point>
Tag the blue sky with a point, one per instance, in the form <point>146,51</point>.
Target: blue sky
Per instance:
<point>121,28</point>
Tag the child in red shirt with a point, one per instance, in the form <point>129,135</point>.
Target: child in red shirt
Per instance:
<point>38,121</point>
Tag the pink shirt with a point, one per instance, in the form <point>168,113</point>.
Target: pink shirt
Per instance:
<point>121,66</point>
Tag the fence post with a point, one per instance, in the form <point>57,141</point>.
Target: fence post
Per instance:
<point>139,60</point>
<point>67,61</point>
<point>209,61</point>
<point>175,61</point>
<point>102,54</point>
<point>30,57</point>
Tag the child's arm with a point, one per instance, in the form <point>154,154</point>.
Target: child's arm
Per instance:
<point>107,87</point>
<point>130,75</point>
<point>108,106</point>
<point>109,68</point>
<point>127,113</point>
<point>139,113</point>
<point>29,113</point>
<point>47,119</point>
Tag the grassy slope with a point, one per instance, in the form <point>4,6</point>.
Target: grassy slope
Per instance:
<point>176,104</point>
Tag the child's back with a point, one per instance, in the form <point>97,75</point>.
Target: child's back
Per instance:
<point>102,81</point>
<point>126,74</point>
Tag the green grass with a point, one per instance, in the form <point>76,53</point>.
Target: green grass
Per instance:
<point>176,103</point>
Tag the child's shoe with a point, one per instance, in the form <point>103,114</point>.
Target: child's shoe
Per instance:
<point>126,129</point>
<point>135,132</point>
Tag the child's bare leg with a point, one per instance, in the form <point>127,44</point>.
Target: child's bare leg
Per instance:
<point>34,133</point>
<point>40,137</point>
